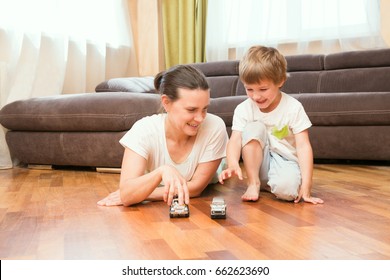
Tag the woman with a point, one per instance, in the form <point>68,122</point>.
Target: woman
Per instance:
<point>180,149</point>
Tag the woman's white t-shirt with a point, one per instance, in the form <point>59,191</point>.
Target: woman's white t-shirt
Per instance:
<point>147,139</point>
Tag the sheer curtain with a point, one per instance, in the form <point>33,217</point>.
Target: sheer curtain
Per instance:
<point>294,26</point>
<point>52,47</point>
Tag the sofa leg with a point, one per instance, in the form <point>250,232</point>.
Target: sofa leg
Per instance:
<point>40,166</point>
<point>108,170</point>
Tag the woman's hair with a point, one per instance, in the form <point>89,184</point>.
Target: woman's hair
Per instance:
<point>180,76</point>
<point>263,63</point>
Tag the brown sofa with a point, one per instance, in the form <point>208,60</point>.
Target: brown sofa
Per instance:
<point>346,95</point>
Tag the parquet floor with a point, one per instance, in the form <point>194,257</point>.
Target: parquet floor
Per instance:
<point>52,214</point>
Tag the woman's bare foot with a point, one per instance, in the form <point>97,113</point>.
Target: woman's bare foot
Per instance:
<point>252,193</point>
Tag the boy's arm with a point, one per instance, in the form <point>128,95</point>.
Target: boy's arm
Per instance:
<point>233,150</point>
<point>233,154</point>
<point>305,161</point>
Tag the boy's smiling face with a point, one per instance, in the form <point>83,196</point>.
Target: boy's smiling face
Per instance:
<point>265,94</point>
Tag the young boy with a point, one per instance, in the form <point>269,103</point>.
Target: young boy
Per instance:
<point>270,131</point>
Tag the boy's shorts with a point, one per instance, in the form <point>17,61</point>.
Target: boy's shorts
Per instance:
<point>283,176</point>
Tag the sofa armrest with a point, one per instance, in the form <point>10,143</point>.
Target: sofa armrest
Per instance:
<point>109,111</point>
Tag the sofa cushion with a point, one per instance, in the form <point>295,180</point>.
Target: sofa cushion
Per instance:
<point>325,109</point>
<point>357,59</point>
<point>305,62</point>
<point>222,86</point>
<point>131,84</point>
<point>355,80</point>
<point>347,109</point>
<point>218,68</point>
<point>115,111</point>
<point>224,107</point>
<point>302,82</point>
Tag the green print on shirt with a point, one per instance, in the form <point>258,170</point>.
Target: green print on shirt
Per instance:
<point>280,133</point>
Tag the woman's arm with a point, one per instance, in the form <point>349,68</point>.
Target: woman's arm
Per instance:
<point>136,186</point>
<point>203,174</point>
<point>201,178</point>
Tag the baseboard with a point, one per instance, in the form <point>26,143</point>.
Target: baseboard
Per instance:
<point>108,170</point>
<point>40,166</point>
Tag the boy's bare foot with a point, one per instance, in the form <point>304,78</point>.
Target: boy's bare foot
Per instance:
<point>252,193</point>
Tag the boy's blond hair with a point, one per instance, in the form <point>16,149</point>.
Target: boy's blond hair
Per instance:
<point>263,63</point>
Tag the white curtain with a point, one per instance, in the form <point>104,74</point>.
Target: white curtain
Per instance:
<point>52,47</point>
<point>293,26</point>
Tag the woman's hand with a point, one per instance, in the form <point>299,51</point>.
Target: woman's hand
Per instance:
<point>174,184</point>
<point>113,199</point>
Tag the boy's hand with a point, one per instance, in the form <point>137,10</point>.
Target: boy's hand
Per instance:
<point>229,172</point>
<point>308,198</point>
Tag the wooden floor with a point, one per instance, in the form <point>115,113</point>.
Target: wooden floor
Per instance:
<point>52,214</point>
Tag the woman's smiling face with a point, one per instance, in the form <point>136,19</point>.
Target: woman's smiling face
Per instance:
<point>187,113</point>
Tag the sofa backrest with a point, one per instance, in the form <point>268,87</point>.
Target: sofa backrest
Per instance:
<point>222,77</point>
<point>304,73</point>
<point>355,71</point>
<point>364,71</point>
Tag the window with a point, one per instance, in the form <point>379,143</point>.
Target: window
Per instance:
<point>233,24</point>
<point>94,20</point>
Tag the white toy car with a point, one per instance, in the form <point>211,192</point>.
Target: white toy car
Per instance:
<point>218,208</point>
<point>178,211</point>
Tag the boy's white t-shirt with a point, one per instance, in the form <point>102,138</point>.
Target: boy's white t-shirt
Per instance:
<point>287,119</point>
<point>147,138</point>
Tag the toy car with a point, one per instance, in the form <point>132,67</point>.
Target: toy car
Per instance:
<point>178,211</point>
<point>218,208</point>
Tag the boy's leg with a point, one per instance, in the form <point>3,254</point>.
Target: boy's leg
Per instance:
<point>264,169</point>
<point>284,177</point>
<point>253,138</point>
<point>252,155</point>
